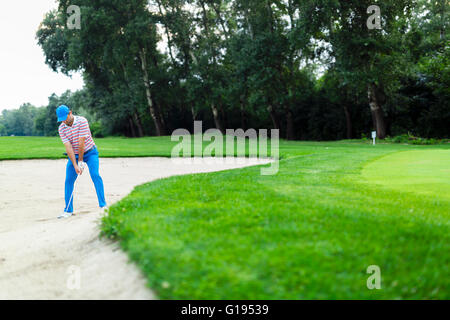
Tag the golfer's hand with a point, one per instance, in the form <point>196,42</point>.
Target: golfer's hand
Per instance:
<point>82,165</point>
<point>78,170</point>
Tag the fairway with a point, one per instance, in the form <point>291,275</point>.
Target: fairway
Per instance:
<point>424,172</point>
<point>308,232</point>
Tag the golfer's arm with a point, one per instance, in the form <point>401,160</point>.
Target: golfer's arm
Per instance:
<point>81,149</point>
<point>71,154</point>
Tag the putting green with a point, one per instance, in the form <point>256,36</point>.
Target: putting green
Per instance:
<point>425,172</point>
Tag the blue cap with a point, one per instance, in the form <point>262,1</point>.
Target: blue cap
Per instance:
<point>62,112</point>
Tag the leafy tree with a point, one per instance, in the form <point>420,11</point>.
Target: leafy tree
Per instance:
<point>373,58</point>
<point>112,47</point>
<point>20,122</point>
<point>309,68</point>
<point>3,131</point>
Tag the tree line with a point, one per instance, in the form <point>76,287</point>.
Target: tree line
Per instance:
<point>311,68</point>
<point>30,120</point>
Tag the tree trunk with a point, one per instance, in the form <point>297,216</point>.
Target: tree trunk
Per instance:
<point>348,120</point>
<point>169,39</point>
<point>376,100</point>
<point>222,23</point>
<point>273,116</point>
<point>133,132</point>
<point>194,114</point>
<point>442,29</point>
<point>138,123</point>
<point>244,120</point>
<point>160,130</point>
<point>217,121</point>
<point>158,106</point>
<point>290,134</point>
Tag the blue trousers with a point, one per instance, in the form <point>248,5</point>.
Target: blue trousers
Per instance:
<point>91,159</point>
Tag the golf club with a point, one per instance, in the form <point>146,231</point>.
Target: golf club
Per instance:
<point>71,196</point>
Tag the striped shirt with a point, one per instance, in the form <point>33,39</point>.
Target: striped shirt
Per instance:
<point>79,129</point>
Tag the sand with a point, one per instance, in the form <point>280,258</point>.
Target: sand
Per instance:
<point>42,257</point>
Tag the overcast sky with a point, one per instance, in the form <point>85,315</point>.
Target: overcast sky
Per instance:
<point>24,76</point>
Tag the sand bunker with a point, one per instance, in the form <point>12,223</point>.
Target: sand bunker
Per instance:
<point>42,257</point>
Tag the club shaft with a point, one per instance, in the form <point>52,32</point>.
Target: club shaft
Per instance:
<point>73,191</point>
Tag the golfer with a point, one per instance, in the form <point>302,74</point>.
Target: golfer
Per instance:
<point>80,147</point>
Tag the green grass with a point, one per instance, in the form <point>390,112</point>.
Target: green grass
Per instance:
<point>15,148</point>
<point>12,148</point>
<point>420,171</point>
<point>309,232</point>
